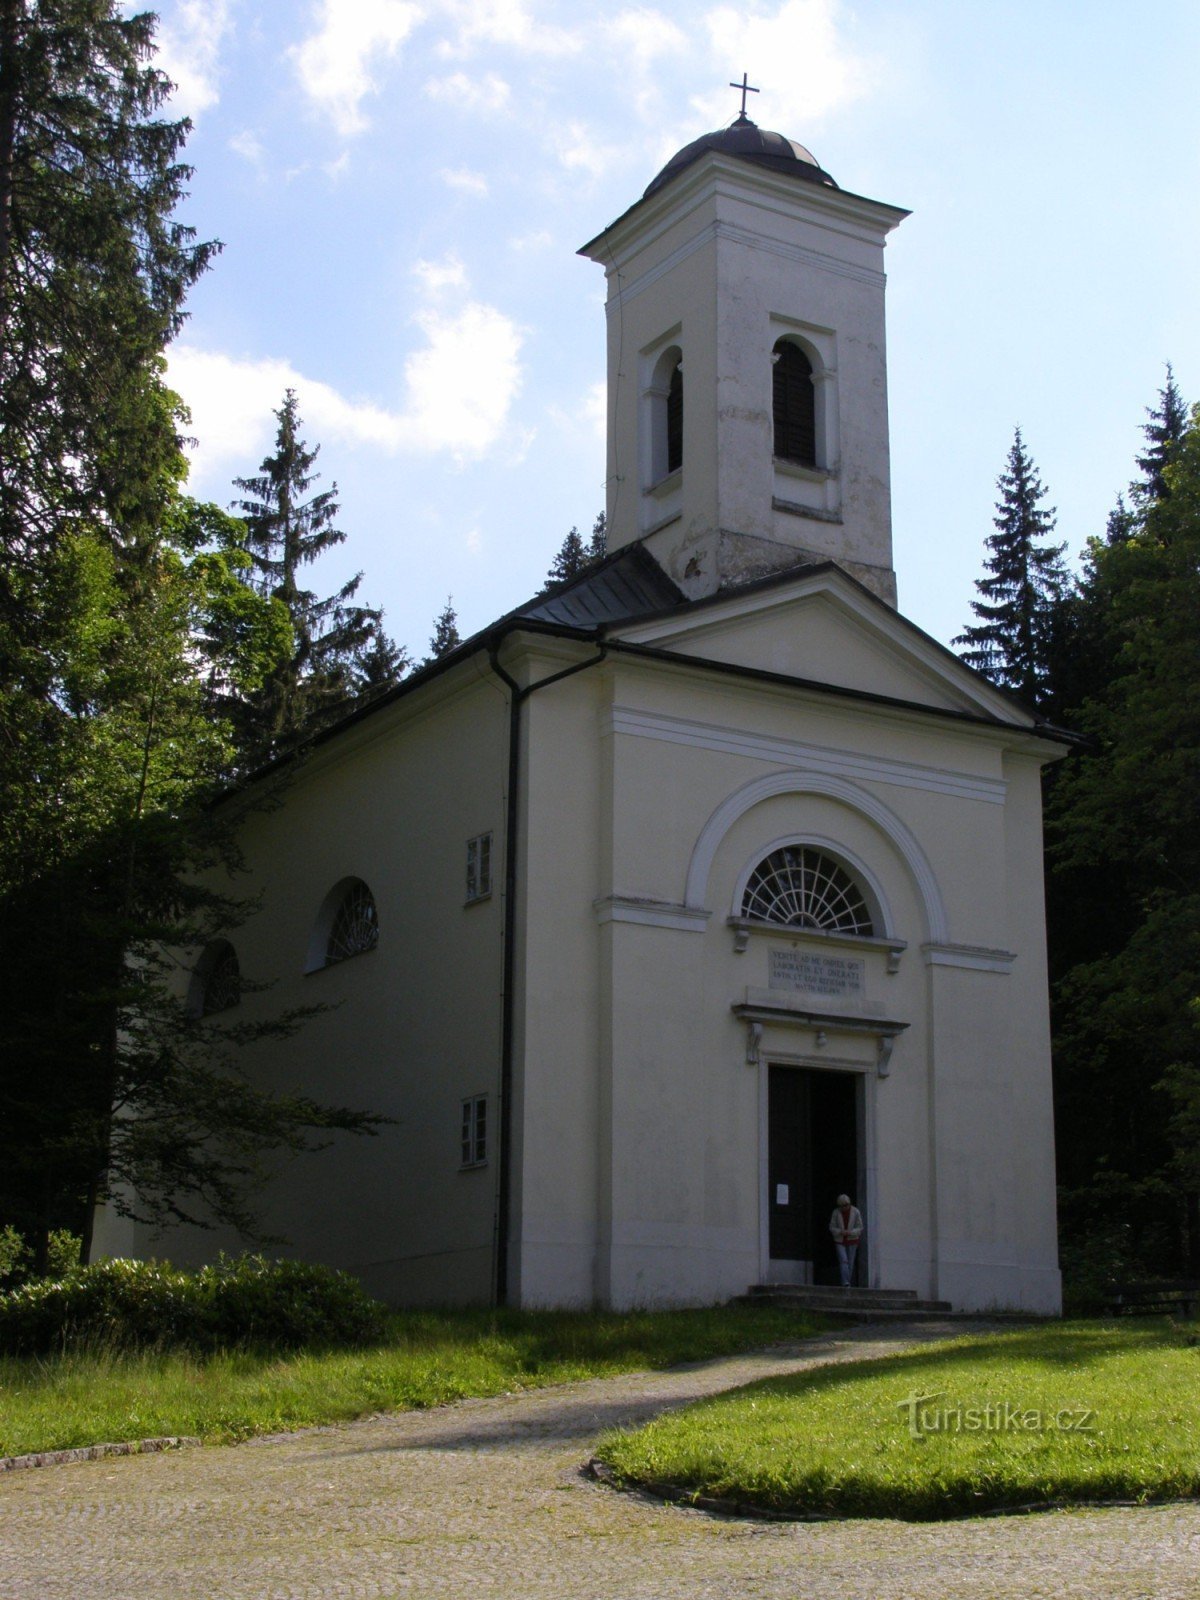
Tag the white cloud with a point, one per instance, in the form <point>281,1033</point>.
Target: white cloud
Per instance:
<point>448,273</point>
<point>459,389</point>
<point>509,23</point>
<point>795,50</point>
<point>474,541</point>
<point>642,36</point>
<point>465,181</point>
<point>249,147</point>
<point>527,243</point>
<point>595,409</point>
<point>581,151</point>
<point>487,95</point>
<point>189,45</point>
<point>335,64</point>
<point>443,410</point>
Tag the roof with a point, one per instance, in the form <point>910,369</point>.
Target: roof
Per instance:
<point>749,142</point>
<point>627,584</point>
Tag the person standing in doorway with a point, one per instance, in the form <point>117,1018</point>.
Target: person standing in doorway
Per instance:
<point>846,1226</point>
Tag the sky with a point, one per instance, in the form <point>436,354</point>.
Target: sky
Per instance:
<point>401,187</point>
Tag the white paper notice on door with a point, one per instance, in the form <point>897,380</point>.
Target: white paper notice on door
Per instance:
<point>781,1194</point>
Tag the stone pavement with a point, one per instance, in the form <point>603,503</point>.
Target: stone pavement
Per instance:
<point>486,1499</point>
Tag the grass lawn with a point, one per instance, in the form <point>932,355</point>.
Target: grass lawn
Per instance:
<point>1070,1412</point>
<point>58,1402</point>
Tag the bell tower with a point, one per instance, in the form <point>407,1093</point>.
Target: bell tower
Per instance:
<point>747,374</point>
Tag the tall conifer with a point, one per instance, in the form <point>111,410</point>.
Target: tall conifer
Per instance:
<point>1025,580</point>
<point>287,532</point>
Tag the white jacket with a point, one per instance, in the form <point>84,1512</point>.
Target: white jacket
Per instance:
<point>846,1233</point>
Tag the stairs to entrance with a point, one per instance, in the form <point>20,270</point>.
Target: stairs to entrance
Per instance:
<point>857,1303</point>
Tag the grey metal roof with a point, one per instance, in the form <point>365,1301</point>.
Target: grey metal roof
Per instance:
<point>749,142</point>
<point>629,583</point>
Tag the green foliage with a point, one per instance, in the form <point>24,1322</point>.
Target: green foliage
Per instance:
<point>1123,828</point>
<point>446,636</point>
<point>1011,642</point>
<point>575,557</point>
<point>247,1301</point>
<point>1109,1414</point>
<point>94,269</point>
<point>1164,433</point>
<point>127,632</point>
<point>423,1358</point>
<point>318,680</point>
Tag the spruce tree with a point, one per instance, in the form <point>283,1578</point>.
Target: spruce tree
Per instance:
<point>1124,831</point>
<point>94,268</point>
<point>575,557</point>
<point>1164,433</point>
<point>598,548</point>
<point>571,560</point>
<point>1026,580</point>
<point>381,665</point>
<point>285,532</point>
<point>445,633</point>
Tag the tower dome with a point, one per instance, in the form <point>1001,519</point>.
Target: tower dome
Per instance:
<point>749,142</point>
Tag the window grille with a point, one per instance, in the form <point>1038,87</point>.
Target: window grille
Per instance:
<point>474,1131</point>
<point>675,418</point>
<point>222,984</point>
<point>800,887</point>
<point>479,867</point>
<point>795,405</point>
<point>355,927</point>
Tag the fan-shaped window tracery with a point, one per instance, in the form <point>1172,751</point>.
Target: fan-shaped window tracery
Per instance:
<point>801,887</point>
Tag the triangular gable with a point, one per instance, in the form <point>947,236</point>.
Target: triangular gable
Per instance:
<point>824,627</point>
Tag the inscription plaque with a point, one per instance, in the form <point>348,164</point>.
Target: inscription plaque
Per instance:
<point>802,971</point>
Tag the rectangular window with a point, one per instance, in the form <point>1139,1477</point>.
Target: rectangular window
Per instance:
<point>479,867</point>
<point>474,1131</point>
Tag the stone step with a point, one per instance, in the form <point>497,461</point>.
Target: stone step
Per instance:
<point>897,1297</point>
<point>830,1300</point>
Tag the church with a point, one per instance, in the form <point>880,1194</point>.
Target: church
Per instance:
<point>698,890</point>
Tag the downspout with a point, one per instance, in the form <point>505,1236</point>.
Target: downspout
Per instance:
<point>516,699</point>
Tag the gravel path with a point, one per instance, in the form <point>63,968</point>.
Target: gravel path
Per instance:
<point>486,1499</point>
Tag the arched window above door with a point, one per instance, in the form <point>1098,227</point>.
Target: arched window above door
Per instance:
<point>798,886</point>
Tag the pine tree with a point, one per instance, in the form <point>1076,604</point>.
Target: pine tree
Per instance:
<point>1124,830</point>
<point>575,557</point>
<point>1026,579</point>
<point>598,548</point>
<point>380,666</point>
<point>445,633</point>
<point>94,268</point>
<point>1164,433</point>
<point>286,532</point>
<point>571,560</point>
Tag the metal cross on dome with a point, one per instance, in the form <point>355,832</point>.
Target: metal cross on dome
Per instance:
<point>746,87</point>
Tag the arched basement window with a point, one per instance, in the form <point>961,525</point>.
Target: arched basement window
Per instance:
<point>675,418</point>
<point>795,405</point>
<point>800,887</point>
<point>217,981</point>
<point>355,926</point>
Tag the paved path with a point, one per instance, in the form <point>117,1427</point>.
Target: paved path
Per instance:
<point>485,1499</point>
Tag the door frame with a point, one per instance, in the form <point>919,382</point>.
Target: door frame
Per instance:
<point>865,1099</point>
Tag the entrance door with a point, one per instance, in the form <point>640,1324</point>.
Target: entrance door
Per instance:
<point>812,1156</point>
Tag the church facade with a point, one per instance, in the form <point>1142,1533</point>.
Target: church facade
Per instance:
<point>700,889</point>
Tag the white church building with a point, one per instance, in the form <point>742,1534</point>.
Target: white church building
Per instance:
<point>698,890</point>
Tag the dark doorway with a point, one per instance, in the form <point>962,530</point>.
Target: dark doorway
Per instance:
<point>812,1156</point>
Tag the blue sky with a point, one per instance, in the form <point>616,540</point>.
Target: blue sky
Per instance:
<point>401,187</point>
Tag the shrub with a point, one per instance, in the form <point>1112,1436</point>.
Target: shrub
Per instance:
<point>127,1305</point>
<point>284,1304</point>
<point>16,1257</point>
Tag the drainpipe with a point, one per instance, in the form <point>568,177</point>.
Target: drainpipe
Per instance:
<point>516,699</point>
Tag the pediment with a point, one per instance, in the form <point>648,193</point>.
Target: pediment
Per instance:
<point>824,627</point>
